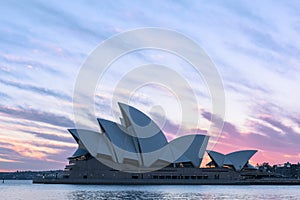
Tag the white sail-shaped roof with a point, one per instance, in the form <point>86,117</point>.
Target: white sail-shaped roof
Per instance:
<point>236,159</point>
<point>123,143</point>
<point>138,139</point>
<point>95,143</point>
<point>147,132</point>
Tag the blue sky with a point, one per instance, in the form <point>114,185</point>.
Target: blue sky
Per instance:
<point>255,45</point>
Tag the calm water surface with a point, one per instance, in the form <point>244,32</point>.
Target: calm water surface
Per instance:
<point>27,190</point>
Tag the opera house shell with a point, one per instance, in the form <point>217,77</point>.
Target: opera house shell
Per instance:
<point>137,144</point>
<point>237,160</point>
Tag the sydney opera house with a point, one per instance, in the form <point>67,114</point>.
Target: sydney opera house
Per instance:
<point>136,151</point>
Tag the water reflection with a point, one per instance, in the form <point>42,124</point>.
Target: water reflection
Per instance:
<point>159,195</point>
<point>114,195</point>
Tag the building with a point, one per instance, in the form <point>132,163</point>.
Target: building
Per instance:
<point>287,170</point>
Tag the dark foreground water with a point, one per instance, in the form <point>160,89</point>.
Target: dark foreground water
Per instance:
<point>27,190</point>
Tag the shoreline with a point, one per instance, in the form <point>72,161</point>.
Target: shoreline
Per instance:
<point>166,182</point>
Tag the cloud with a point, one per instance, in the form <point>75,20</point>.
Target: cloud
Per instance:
<point>296,119</point>
<point>263,40</point>
<point>245,87</point>
<point>22,125</point>
<point>51,136</point>
<point>36,115</point>
<point>24,156</point>
<point>4,96</point>
<point>8,160</point>
<point>36,89</point>
<point>24,150</point>
<point>276,123</point>
<point>18,60</point>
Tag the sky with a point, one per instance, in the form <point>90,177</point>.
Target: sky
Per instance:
<point>255,46</point>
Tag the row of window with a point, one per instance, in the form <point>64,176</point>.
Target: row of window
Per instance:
<point>164,177</point>
<point>180,177</point>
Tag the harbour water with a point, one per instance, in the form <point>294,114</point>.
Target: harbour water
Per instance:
<point>24,189</point>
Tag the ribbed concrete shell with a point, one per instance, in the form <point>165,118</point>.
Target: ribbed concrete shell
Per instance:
<point>236,159</point>
<point>138,139</point>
